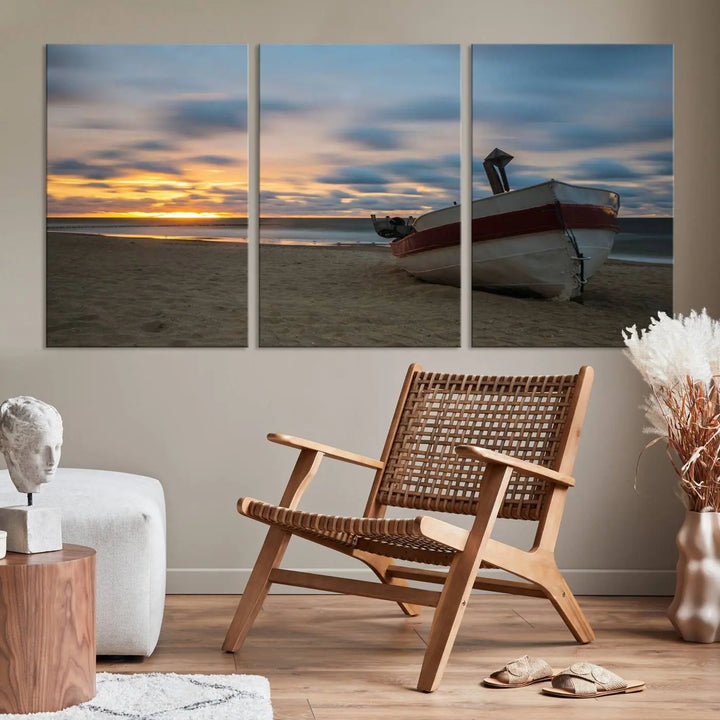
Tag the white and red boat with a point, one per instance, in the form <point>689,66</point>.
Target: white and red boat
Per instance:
<point>546,240</point>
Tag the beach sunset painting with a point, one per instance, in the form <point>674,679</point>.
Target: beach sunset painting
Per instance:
<point>146,195</point>
<point>572,192</point>
<point>346,132</point>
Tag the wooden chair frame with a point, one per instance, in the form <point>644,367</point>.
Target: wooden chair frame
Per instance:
<point>470,549</point>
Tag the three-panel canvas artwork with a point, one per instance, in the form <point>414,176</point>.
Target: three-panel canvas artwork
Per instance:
<point>360,216</point>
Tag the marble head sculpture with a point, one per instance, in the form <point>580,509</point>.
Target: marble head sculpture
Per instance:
<point>31,435</point>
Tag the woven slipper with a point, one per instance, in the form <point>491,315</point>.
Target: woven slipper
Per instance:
<point>585,680</point>
<point>520,673</point>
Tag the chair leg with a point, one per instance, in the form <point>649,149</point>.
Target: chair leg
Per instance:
<point>257,588</point>
<point>560,595</point>
<point>445,624</point>
<point>461,577</point>
<point>379,566</point>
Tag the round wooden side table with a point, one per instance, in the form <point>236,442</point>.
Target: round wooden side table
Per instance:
<point>47,630</point>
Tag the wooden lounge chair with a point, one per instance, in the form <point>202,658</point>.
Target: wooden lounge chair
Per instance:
<point>481,446</point>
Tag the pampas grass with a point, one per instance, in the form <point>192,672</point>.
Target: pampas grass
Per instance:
<point>679,358</point>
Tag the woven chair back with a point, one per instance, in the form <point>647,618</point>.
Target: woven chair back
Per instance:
<point>527,417</point>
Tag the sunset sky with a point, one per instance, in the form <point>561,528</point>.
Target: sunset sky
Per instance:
<point>147,130</point>
<point>347,130</point>
<point>599,115</point>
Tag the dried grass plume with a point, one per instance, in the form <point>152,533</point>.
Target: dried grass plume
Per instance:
<point>679,358</point>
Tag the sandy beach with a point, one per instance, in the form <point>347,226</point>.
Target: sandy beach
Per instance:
<point>141,292</point>
<point>618,295</point>
<point>154,293</point>
<point>338,296</point>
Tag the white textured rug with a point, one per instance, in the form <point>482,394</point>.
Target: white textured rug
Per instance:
<point>166,696</point>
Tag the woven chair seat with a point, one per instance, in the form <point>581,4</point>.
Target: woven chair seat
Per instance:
<point>396,538</point>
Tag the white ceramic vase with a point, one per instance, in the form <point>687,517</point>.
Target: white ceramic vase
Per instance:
<point>695,609</point>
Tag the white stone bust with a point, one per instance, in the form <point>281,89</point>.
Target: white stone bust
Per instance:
<point>31,435</point>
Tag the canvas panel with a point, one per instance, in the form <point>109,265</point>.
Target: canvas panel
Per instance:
<point>581,246</point>
<point>146,195</point>
<point>348,131</point>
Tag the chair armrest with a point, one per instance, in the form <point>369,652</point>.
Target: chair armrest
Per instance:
<point>523,466</point>
<point>302,444</point>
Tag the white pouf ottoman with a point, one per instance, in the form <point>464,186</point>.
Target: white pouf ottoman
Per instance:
<point>122,517</point>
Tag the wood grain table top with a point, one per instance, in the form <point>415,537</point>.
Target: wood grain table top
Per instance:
<point>69,553</point>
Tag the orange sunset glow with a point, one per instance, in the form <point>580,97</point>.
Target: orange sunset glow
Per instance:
<point>147,131</point>
<point>348,130</point>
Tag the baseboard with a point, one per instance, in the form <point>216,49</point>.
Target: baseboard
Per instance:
<point>221,581</point>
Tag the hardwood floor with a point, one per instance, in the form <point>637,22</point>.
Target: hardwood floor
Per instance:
<point>329,657</point>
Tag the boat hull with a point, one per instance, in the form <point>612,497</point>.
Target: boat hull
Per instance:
<point>547,240</point>
<point>537,264</point>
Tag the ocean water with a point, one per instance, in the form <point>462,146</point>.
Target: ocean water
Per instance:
<point>648,240</point>
<point>215,230</point>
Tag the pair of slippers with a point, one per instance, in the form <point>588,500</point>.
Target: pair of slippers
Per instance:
<point>580,680</point>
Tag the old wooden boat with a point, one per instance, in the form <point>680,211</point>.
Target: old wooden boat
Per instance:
<point>546,240</point>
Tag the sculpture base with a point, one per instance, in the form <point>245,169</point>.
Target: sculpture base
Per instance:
<point>31,529</point>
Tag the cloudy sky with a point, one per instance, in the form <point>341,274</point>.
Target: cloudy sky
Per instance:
<point>347,130</point>
<point>597,115</point>
<point>147,130</point>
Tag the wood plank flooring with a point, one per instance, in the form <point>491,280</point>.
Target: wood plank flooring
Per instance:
<point>329,657</point>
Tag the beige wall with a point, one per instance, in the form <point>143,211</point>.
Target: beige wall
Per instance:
<point>196,419</point>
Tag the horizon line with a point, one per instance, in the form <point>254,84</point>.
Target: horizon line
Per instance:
<point>274,217</point>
